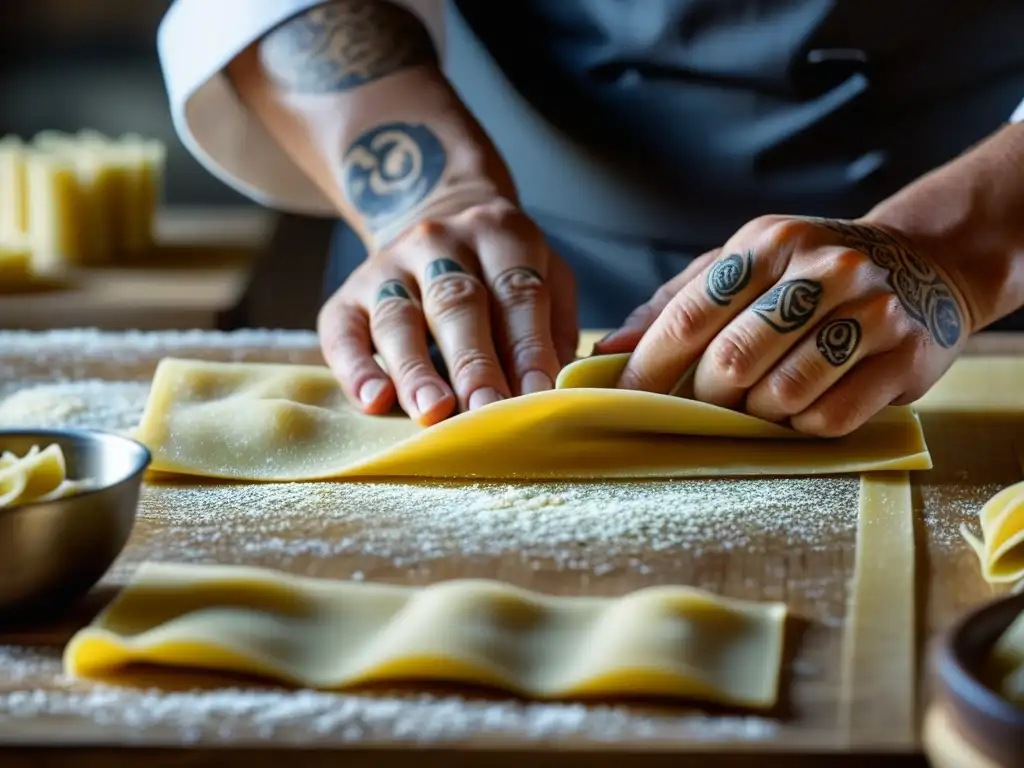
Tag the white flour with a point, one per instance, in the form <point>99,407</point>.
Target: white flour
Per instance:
<point>595,530</point>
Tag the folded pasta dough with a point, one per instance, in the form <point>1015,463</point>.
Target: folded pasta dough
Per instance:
<point>1001,546</point>
<point>39,475</point>
<point>1007,661</point>
<point>285,422</point>
<point>665,640</point>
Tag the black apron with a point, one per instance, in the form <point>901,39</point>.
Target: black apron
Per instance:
<point>641,133</point>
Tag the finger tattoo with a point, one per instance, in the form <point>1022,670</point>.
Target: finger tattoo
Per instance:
<point>921,291</point>
<point>838,340</point>
<point>728,276</point>
<point>790,305</point>
<point>443,267</point>
<point>392,289</point>
<point>517,279</point>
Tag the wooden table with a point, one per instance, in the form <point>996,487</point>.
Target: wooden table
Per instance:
<point>199,270</point>
<point>790,539</point>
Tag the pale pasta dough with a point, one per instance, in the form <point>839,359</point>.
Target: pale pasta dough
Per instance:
<point>39,475</point>
<point>1001,546</point>
<point>285,422</point>
<point>1008,661</point>
<point>666,640</point>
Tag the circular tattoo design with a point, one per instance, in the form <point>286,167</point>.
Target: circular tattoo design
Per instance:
<point>838,340</point>
<point>728,276</point>
<point>789,305</point>
<point>391,168</point>
<point>943,318</point>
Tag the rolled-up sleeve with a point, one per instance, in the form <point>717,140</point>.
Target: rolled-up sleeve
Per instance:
<point>1018,115</point>
<point>197,39</point>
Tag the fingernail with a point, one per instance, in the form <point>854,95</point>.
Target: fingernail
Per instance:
<point>371,391</point>
<point>483,397</point>
<point>428,397</point>
<point>536,381</point>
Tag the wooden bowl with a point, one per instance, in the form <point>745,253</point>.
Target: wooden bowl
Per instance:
<point>992,724</point>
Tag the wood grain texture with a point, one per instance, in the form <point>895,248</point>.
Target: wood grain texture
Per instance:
<point>973,452</point>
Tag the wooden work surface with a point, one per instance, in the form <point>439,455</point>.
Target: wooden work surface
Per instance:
<point>198,270</point>
<point>790,539</point>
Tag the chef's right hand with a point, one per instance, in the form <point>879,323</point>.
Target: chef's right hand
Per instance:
<point>482,281</point>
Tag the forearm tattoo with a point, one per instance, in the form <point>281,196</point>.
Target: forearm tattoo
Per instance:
<point>393,289</point>
<point>922,292</point>
<point>344,44</point>
<point>389,169</point>
<point>728,276</point>
<point>838,340</point>
<point>789,305</point>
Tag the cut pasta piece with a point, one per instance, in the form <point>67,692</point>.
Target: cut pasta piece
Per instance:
<point>666,640</point>
<point>39,475</point>
<point>1001,546</point>
<point>264,422</point>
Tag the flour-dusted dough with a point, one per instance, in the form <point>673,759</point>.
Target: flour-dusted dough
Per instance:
<point>39,475</point>
<point>880,645</point>
<point>284,422</point>
<point>1001,546</point>
<point>666,640</point>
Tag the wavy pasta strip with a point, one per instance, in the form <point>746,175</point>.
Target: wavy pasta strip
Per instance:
<point>666,640</point>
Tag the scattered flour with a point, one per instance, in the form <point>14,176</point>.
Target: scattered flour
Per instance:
<point>304,716</point>
<point>595,529</point>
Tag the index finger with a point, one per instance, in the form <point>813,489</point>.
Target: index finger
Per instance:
<point>692,318</point>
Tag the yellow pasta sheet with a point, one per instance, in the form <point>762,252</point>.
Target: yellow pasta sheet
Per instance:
<point>666,640</point>
<point>39,475</point>
<point>284,422</point>
<point>1001,546</point>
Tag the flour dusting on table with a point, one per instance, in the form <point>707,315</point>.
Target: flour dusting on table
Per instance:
<point>304,716</point>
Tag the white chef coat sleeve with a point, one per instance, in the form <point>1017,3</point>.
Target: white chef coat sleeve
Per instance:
<point>1018,115</point>
<point>196,40</point>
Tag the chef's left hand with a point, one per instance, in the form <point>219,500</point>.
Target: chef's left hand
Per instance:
<point>819,321</point>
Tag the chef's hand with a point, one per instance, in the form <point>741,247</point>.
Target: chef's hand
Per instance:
<point>482,281</point>
<point>819,321</point>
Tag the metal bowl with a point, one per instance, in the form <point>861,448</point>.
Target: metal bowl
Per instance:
<point>993,725</point>
<point>53,552</point>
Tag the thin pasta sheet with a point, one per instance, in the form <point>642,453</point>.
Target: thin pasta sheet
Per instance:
<point>665,640</point>
<point>262,422</point>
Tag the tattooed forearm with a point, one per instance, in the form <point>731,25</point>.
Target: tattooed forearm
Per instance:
<point>728,276</point>
<point>838,340</point>
<point>922,292</point>
<point>345,44</point>
<point>790,305</point>
<point>389,169</point>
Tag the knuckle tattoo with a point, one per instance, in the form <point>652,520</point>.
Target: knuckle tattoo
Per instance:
<point>518,285</point>
<point>392,289</point>
<point>728,276</point>
<point>922,292</point>
<point>789,306</point>
<point>439,267</point>
<point>838,340</point>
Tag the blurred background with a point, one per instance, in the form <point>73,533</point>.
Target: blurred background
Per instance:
<point>67,65</point>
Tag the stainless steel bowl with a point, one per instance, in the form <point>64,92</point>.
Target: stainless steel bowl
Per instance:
<point>53,552</point>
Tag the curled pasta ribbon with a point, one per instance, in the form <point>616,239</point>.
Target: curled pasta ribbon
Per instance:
<point>39,475</point>
<point>1001,545</point>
